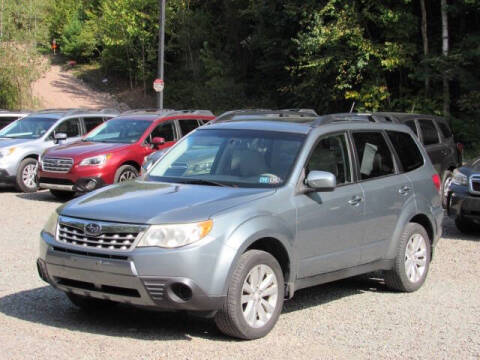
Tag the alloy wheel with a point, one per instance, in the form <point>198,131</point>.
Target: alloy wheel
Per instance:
<point>259,295</point>
<point>28,175</point>
<point>415,258</point>
<point>126,176</point>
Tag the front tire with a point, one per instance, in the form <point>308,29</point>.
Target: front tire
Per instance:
<point>254,299</point>
<point>62,195</point>
<point>125,173</point>
<point>412,261</point>
<point>447,179</point>
<point>26,174</point>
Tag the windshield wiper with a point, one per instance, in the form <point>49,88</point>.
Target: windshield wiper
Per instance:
<point>203,182</point>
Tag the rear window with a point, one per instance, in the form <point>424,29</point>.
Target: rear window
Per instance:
<point>445,129</point>
<point>429,132</point>
<point>407,150</point>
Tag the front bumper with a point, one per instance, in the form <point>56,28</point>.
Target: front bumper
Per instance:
<point>462,204</point>
<point>119,278</point>
<point>80,185</point>
<point>6,178</point>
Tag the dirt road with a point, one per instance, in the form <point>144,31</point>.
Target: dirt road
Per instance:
<point>58,88</point>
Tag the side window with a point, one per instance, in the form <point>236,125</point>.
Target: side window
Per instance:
<point>187,126</point>
<point>373,154</point>
<point>331,154</point>
<point>71,127</point>
<point>165,131</point>
<point>429,132</point>
<point>407,150</point>
<point>92,122</point>
<point>412,126</point>
<point>445,129</point>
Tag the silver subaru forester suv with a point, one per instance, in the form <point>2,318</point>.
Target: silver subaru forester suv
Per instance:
<point>24,140</point>
<point>240,214</point>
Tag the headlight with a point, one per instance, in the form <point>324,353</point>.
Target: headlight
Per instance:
<point>6,152</point>
<point>51,225</point>
<point>173,236</point>
<point>459,178</point>
<point>98,160</point>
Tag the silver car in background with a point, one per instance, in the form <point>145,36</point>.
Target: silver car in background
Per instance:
<point>23,141</point>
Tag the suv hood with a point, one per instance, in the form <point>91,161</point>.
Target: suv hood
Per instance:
<point>141,202</point>
<point>13,142</point>
<point>83,149</point>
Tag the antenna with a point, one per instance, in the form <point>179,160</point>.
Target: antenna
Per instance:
<point>353,107</point>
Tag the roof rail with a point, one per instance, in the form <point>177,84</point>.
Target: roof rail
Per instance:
<point>168,111</point>
<point>146,110</point>
<point>279,114</point>
<point>333,118</point>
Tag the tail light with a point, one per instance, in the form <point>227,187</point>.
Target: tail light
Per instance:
<point>460,147</point>
<point>436,181</point>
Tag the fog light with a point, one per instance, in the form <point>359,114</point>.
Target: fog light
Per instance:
<point>182,291</point>
<point>91,184</point>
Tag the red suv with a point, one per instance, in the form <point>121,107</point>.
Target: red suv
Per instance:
<point>114,151</point>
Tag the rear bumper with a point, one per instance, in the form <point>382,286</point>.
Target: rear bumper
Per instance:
<point>116,278</point>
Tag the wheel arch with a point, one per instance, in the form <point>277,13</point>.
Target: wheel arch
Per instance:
<point>131,163</point>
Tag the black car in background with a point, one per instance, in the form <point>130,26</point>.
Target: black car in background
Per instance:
<point>433,131</point>
<point>463,197</point>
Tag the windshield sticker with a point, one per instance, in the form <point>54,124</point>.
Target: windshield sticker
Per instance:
<point>269,179</point>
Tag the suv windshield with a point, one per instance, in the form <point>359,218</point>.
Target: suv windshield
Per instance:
<point>27,128</point>
<point>241,158</point>
<point>119,131</point>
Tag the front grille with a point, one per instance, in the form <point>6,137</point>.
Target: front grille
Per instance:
<point>113,241</point>
<point>108,289</point>
<point>475,184</point>
<point>57,165</point>
<point>55,181</point>
<point>92,254</point>
<point>155,288</point>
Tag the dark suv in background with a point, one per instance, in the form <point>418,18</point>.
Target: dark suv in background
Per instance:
<point>435,135</point>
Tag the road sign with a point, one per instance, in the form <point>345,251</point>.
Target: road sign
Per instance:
<point>158,85</point>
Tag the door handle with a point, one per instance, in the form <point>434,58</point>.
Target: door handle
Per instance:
<point>404,190</point>
<point>355,200</point>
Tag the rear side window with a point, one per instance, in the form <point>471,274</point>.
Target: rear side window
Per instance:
<point>187,126</point>
<point>429,132</point>
<point>445,129</point>
<point>407,150</point>
<point>92,122</point>
<point>412,126</point>
<point>374,155</point>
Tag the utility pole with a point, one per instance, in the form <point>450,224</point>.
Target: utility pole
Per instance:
<point>161,49</point>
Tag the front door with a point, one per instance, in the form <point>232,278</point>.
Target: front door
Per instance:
<point>330,224</point>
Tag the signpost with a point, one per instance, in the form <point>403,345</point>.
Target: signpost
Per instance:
<point>161,50</point>
<point>158,85</point>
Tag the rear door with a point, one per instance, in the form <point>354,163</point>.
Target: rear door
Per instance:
<point>431,140</point>
<point>91,123</point>
<point>386,191</point>
<point>187,125</point>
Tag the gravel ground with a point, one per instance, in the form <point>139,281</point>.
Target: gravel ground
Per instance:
<point>355,318</point>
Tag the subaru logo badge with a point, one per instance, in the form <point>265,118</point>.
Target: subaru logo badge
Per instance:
<point>93,229</point>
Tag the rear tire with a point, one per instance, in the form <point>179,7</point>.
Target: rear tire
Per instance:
<point>447,179</point>
<point>412,261</point>
<point>125,173</point>
<point>90,304</point>
<point>254,298</point>
<point>62,195</point>
<point>26,174</point>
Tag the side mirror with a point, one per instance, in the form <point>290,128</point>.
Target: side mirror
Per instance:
<point>157,141</point>
<point>60,137</point>
<point>321,181</point>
